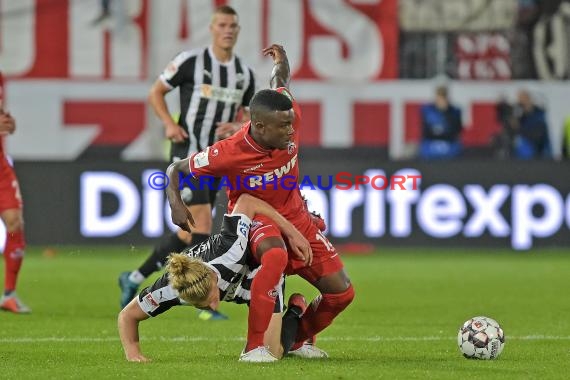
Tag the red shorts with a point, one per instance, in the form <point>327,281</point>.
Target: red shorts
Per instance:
<point>10,197</point>
<point>325,257</point>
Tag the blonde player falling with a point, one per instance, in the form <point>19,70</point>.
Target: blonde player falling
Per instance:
<point>219,269</point>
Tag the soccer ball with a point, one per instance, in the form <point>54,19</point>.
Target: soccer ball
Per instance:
<point>481,338</point>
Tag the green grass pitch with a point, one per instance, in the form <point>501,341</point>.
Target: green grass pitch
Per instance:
<point>403,323</point>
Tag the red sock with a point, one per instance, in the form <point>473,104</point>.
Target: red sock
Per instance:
<point>321,313</point>
<point>262,304</point>
<point>13,256</point>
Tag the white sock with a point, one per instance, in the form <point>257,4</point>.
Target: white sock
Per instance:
<point>136,277</point>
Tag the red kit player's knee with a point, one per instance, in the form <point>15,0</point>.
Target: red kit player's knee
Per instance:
<point>14,225</point>
<point>339,301</point>
<point>275,258</point>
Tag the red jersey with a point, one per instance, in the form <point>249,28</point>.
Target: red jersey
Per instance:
<point>10,197</point>
<point>1,110</point>
<point>246,167</point>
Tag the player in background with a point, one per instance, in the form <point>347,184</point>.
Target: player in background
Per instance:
<point>215,85</point>
<point>12,216</point>
<point>217,270</point>
<point>264,154</point>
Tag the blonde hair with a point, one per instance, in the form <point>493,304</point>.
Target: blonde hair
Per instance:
<point>190,277</point>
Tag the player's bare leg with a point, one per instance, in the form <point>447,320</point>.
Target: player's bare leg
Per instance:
<point>271,350</point>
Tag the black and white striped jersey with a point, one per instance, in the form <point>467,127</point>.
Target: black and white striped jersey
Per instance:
<point>226,254</point>
<point>210,92</point>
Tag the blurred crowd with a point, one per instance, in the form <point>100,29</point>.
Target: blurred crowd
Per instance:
<point>524,132</point>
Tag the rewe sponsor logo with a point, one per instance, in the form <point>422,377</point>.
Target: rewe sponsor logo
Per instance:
<point>257,181</point>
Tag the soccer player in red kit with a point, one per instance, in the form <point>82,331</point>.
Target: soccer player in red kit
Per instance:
<point>262,159</point>
<point>12,216</point>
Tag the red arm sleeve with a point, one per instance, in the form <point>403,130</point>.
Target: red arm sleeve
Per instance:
<point>212,161</point>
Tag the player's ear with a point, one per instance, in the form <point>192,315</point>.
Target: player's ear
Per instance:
<point>259,124</point>
<point>214,305</point>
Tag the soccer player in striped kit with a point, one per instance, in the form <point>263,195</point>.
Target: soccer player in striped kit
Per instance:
<point>219,269</point>
<point>215,85</point>
<point>12,216</point>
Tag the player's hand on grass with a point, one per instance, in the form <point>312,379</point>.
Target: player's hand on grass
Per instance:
<point>138,358</point>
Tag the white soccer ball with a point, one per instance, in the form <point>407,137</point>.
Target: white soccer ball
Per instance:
<point>481,338</point>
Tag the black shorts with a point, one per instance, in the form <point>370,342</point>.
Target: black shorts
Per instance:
<point>200,193</point>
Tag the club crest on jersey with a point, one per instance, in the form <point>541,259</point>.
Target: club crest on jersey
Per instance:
<point>201,159</point>
<point>291,147</point>
<point>272,293</point>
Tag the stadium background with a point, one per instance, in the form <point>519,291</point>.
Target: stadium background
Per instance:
<point>360,69</point>
<point>86,143</point>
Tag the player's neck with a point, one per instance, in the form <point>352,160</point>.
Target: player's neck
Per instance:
<point>221,54</point>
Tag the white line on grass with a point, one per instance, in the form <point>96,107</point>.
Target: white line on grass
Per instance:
<point>88,339</point>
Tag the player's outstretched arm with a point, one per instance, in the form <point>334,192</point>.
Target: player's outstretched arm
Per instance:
<point>180,214</point>
<point>249,205</point>
<point>280,74</point>
<point>128,323</point>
